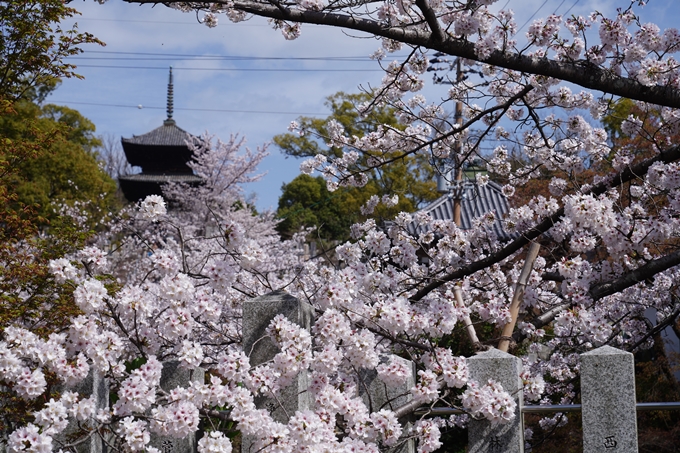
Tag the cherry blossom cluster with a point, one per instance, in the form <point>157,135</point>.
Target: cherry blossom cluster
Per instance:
<point>489,401</point>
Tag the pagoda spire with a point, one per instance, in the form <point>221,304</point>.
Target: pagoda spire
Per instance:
<point>169,107</point>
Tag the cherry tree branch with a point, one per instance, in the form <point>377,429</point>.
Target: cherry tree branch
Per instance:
<point>582,73</point>
<point>431,19</point>
<point>635,276</point>
<point>627,175</point>
<point>670,320</point>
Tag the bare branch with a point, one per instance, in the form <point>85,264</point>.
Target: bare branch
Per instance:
<point>518,296</point>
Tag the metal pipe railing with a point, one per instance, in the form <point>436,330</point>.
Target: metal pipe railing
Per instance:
<point>545,408</point>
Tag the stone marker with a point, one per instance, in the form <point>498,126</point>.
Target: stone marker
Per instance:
<point>376,395</point>
<point>483,435</point>
<point>174,376</point>
<point>93,384</point>
<point>608,401</point>
<point>257,314</point>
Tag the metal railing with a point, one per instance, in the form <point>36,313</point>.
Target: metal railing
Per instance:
<point>545,408</point>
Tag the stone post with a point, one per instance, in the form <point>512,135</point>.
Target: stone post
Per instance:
<point>174,376</point>
<point>93,384</point>
<point>376,395</point>
<point>257,314</point>
<point>483,435</point>
<point>608,401</point>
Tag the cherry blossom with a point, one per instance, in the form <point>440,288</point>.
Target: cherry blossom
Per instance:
<point>169,284</point>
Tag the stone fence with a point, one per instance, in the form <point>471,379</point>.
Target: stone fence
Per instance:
<point>607,391</point>
<point>607,388</point>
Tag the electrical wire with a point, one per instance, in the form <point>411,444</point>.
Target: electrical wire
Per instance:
<point>532,16</point>
<point>216,58</point>
<point>165,68</point>
<point>141,107</point>
<point>87,19</point>
<point>234,57</point>
<point>559,6</point>
<point>567,12</point>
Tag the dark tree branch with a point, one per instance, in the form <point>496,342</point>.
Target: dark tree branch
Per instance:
<point>431,19</point>
<point>635,276</point>
<point>581,73</point>
<point>670,320</point>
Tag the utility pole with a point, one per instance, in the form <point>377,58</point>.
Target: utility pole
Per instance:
<point>454,187</point>
<point>458,190</point>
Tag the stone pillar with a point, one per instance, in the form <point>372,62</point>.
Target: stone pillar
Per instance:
<point>93,384</point>
<point>483,435</point>
<point>174,376</point>
<point>608,401</point>
<point>376,395</point>
<point>257,314</point>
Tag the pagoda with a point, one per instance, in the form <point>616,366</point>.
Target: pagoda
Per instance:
<point>162,154</point>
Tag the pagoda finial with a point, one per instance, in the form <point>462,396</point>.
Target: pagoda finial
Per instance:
<point>170,99</point>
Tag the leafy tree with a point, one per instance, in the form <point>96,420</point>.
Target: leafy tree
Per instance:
<point>343,108</point>
<point>29,296</point>
<point>65,170</point>
<point>33,45</point>
<point>304,202</point>
<point>307,202</point>
<point>41,148</point>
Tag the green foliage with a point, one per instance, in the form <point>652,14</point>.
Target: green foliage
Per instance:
<point>618,113</point>
<point>33,45</point>
<point>305,201</point>
<point>40,150</point>
<point>61,169</point>
<point>29,296</point>
<point>343,108</point>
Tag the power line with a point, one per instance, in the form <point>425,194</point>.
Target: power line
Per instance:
<point>141,107</point>
<point>212,59</point>
<point>164,68</point>
<point>532,16</point>
<point>559,6</point>
<point>235,57</point>
<point>567,12</point>
<point>222,58</point>
<point>86,19</point>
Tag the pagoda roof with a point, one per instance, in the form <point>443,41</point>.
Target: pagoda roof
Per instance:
<point>169,134</point>
<point>162,178</point>
<point>139,186</point>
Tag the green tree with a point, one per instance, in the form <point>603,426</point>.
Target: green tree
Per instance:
<point>306,201</point>
<point>65,169</point>
<point>41,149</point>
<point>33,45</point>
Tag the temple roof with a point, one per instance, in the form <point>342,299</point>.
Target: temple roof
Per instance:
<point>169,134</point>
<point>139,186</point>
<point>477,200</point>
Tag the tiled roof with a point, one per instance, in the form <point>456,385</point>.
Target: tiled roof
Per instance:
<point>477,201</point>
<point>166,135</point>
<point>161,178</point>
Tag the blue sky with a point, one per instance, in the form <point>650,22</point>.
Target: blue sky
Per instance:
<point>241,78</point>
